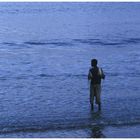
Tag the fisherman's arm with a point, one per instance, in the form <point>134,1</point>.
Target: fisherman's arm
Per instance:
<point>103,75</point>
<point>89,75</point>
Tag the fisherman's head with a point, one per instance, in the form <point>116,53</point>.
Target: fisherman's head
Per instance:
<point>94,62</point>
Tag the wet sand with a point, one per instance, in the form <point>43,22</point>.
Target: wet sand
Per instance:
<point>123,132</point>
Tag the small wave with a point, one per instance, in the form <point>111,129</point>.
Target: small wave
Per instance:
<point>106,43</point>
<point>20,77</point>
<point>63,75</point>
<point>131,40</point>
<point>126,74</point>
<point>101,42</point>
<point>38,43</point>
<point>45,75</point>
<point>60,43</point>
<point>10,43</point>
<point>35,43</point>
<point>72,124</point>
<point>18,45</point>
<point>95,42</point>
<point>49,43</point>
<point>3,78</point>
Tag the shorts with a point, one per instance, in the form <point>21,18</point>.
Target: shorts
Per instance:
<point>95,91</point>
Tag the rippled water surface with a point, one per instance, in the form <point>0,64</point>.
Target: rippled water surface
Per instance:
<point>45,53</point>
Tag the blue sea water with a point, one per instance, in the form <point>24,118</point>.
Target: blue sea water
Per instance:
<point>45,53</point>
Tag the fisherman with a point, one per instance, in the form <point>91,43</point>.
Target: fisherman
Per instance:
<point>95,75</point>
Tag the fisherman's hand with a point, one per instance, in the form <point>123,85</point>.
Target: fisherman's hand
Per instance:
<point>103,77</point>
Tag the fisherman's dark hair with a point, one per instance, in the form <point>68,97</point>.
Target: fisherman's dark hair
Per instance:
<point>94,62</point>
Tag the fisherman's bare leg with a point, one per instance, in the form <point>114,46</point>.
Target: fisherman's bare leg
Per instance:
<point>98,96</point>
<point>91,97</point>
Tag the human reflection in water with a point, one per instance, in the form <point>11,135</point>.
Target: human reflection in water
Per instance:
<point>96,132</point>
<point>96,129</point>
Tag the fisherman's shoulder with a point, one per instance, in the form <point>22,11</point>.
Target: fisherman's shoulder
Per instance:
<point>91,69</point>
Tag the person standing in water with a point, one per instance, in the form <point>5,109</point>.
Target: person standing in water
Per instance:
<point>95,76</point>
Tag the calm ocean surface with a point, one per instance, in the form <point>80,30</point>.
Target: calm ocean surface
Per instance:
<point>45,53</point>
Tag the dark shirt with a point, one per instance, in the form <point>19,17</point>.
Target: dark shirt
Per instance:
<point>95,78</point>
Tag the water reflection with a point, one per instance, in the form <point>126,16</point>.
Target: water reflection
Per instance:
<point>96,132</point>
<point>96,129</point>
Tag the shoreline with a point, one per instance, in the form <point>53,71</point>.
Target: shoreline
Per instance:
<point>94,132</point>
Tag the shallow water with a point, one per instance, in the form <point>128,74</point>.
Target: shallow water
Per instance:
<point>45,53</point>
